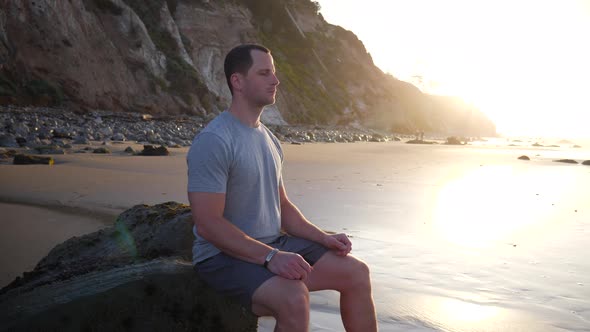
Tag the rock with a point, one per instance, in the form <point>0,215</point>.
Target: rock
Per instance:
<point>133,276</point>
<point>32,142</point>
<point>524,158</point>
<point>577,146</point>
<point>5,154</point>
<point>129,150</point>
<point>101,150</point>
<point>453,140</point>
<point>149,150</point>
<point>119,137</point>
<point>419,141</point>
<point>67,146</point>
<point>81,140</point>
<point>537,144</point>
<point>397,139</point>
<point>49,149</point>
<point>61,134</point>
<point>567,161</point>
<point>8,141</point>
<point>586,162</point>
<point>21,159</point>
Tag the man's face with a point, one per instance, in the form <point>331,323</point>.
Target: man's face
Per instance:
<point>260,83</point>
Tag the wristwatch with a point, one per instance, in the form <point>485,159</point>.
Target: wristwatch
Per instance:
<point>270,255</point>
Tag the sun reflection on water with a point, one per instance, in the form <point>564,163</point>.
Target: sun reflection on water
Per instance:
<point>466,311</point>
<point>493,202</point>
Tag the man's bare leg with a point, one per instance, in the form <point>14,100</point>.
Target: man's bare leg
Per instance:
<point>351,278</point>
<point>286,300</point>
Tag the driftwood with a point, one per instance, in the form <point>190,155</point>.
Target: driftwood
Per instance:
<point>134,276</point>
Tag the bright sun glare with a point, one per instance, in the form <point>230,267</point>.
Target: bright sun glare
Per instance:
<point>524,63</point>
<point>492,204</point>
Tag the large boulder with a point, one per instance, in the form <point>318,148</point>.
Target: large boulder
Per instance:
<point>133,276</point>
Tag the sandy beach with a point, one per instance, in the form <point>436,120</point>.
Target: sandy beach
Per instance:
<point>459,238</point>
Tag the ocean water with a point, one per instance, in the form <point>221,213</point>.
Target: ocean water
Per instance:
<point>458,238</point>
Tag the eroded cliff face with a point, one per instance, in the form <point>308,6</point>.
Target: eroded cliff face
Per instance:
<point>166,57</point>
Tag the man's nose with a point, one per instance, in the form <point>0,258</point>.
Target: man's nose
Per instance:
<point>275,80</point>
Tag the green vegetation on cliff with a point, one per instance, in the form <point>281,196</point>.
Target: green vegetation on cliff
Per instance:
<point>184,79</point>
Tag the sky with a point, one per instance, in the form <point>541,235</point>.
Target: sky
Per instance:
<point>526,64</point>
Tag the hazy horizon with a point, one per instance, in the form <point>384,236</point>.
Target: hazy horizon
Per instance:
<point>523,64</point>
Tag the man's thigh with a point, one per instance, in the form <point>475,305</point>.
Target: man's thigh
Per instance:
<point>240,279</point>
<point>335,272</point>
<point>233,277</point>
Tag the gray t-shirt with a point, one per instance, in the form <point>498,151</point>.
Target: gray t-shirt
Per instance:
<point>244,163</point>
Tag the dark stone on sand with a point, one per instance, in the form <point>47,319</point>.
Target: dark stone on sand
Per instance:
<point>129,150</point>
<point>133,276</point>
<point>577,146</point>
<point>453,140</point>
<point>419,141</point>
<point>586,162</point>
<point>21,159</point>
<point>524,158</point>
<point>150,150</point>
<point>567,161</point>
<point>101,150</point>
<point>537,144</point>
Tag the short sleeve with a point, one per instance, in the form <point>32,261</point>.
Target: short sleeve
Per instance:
<point>208,162</point>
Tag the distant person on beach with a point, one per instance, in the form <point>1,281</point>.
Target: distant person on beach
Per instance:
<point>252,242</point>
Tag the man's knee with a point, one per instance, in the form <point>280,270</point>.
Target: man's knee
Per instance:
<point>360,275</point>
<point>294,300</point>
<point>281,297</point>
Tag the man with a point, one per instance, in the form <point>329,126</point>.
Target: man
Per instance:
<point>252,242</point>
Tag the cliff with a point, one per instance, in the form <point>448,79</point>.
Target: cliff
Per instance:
<point>166,57</point>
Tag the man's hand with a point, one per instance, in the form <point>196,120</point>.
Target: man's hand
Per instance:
<point>339,243</point>
<point>289,265</point>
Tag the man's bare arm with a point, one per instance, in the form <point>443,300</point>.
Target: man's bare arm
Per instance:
<point>294,222</point>
<point>207,214</point>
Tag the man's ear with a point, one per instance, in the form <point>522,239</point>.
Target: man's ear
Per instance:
<point>236,81</point>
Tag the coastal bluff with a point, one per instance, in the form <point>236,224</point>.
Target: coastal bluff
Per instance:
<point>133,276</point>
<point>165,57</point>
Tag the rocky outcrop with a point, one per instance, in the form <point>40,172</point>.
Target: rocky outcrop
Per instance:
<point>166,57</point>
<point>134,276</point>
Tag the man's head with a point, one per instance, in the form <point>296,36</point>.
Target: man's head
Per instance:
<point>249,70</point>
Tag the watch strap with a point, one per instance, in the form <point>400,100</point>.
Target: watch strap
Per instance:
<point>270,256</point>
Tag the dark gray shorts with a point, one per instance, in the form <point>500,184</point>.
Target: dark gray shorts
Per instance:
<point>239,279</point>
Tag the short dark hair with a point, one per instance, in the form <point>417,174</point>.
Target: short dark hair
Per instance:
<point>239,60</point>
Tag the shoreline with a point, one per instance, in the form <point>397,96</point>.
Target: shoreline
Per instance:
<point>86,212</point>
